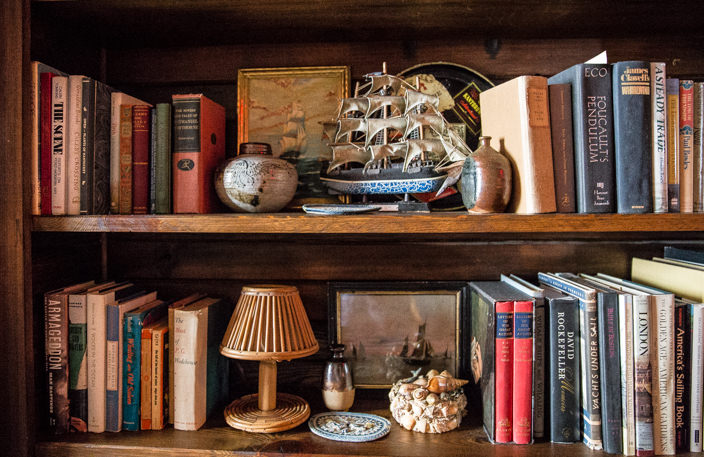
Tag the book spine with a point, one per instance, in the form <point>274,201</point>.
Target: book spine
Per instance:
<point>100,180</point>
<point>698,152</point>
<point>663,366</point>
<point>131,351</point>
<point>632,136</point>
<point>112,397</point>
<point>628,424</point>
<point>59,96</point>
<point>686,140</point>
<point>190,376</point>
<point>504,372</point>
<point>163,158</point>
<point>141,123</point>
<point>145,370</point>
<point>172,346</point>
<point>539,368</point>
<point>610,373</point>
<point>87,133</point>
<point>152,162</point>
<point>522,372</point>
<point>695,396</point>
<point>562,146</point>
<point>672,86</point>
<point>186,155</point>
<point>591,384</point>
<point>683,334</point>
<point>45,143</point>
<point>78,376</point>
<point>35,109</point>
<point>74,129</point>
<point>56,361</point>
<point>96,363</point>
<point>563,377</point>
<point>115,98</point>
<point>125,189</point>
<point>643,376</point>
<point>659,135</point>
<point>158,362</point>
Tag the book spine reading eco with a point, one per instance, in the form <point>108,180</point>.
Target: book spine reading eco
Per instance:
<point>564,385</point>
<point>198,147</point>
<point>696,314</point>
<point>672,88</point>
<point>141,123</point>
<point>698,152</point>
<point>59,95</point>
<point>592,120</point>
<point>73,145</point>
<point>628,415</point>
<point>659,135</point>
<point>78,361</point>
<point>610,372</point>
<point>562,146</point>
<point>589,357</point>
<point>504,371</point>
<point>686,140</point>
<point>162,167</point>
<point>643,376</point>
<point>56,360</point>
<point>87,133</point>
<point>45,143</point>
<point>683,334</point>
<point>632,136</point>
<point>125,188</point>
<point>522,371</point>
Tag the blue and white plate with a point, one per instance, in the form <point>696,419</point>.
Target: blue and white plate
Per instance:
<point>316,208</point>
<point>352,427</point>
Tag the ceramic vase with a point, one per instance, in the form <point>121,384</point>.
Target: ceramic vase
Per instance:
<point>486,180</point>
<point>255,181</point>
<point>338,386</point>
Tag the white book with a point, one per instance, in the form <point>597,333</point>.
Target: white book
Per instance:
<point>73,145</point>
<point>695,397</point>
<point>658,76</point>
<point>96,352</point>
<point>643,374</point>
<point>118,98</point>
<point>59,98</point>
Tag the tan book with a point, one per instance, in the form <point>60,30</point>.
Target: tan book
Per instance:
<point>516,116</point>
<point>159,385</point>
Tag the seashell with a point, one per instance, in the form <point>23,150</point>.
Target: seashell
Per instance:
<point>431,399</point>
<point>448,409</point>
<point>416,410</point>
<point>420,394</point>
<point>432,373</point>
<point>446,426</point>
<point>421,426</point>
<point>407,389</point>
<point>440,383</point>
<point>407,422</point>
<point>422,381</point>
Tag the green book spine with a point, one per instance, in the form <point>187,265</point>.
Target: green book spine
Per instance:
<point>163,158</point>
<point>77,362</point>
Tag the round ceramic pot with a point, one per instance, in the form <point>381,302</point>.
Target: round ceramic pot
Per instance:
<point>486,180</point>
<point>256,182</point>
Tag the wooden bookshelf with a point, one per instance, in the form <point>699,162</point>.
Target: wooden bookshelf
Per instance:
<point>152,49</point>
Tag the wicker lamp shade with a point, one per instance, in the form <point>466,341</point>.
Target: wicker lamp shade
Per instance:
<point>270,325</point>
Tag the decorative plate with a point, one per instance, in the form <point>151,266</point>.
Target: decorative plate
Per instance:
<point>322,208</point>
<point>353,427</point>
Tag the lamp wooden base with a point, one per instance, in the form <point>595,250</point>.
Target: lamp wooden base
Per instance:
<point>244,414</point>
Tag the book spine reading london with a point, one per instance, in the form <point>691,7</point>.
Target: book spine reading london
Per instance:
<point>643,376</point>
<point>504,371</point>
<point>672,88</point>
<point>683,335</point>
<point>562,146</point>
<point>522,371</point>
<point>632,136</point>
<point>659,135</point>
<point>686,140</point>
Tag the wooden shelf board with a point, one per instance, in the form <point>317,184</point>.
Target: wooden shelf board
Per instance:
<point>380,223</point>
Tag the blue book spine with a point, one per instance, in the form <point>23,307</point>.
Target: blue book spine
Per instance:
<point>131,363</point>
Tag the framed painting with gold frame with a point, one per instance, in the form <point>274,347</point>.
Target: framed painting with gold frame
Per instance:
<point>392,329</point>
<point>286,107</point>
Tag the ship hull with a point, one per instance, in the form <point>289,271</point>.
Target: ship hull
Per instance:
<point>388,181</point>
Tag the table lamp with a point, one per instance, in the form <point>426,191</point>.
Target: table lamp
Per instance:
<point>269,324</point>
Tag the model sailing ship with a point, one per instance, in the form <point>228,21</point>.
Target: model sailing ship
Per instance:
<point>392,140</point>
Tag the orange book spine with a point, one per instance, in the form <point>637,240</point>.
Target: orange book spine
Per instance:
<point>522,372</point>
<point>145,391</point>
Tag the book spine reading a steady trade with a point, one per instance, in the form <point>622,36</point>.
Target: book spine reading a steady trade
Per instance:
<point>504,371</point>
<point>686,140</point>
<point>672,87</point>
<point>59,95</point>
<point>643,376</point>
<point>632,136</point>
<point>683,334</point>
<point>562,146</point>
<point>659,135</point>
<point>141,123</point>
<point>698,152</point>
<point>522,372</point>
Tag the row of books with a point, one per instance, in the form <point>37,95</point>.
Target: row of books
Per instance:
<point>615,363</point>
<point>97,150</point>
<point>601,138</point>
<point>117,358</point>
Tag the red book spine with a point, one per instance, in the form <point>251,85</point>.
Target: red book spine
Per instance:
<point>504,372</point>
<point>522,371</point>
<point>46,142</point>
<point>141,140</point>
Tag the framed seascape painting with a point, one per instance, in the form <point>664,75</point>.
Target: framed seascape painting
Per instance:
<point>286,107</point>
<point>392,329</point>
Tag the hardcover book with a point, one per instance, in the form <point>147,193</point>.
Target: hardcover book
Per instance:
<point>162,159</point>
<point>59,101</point>
<point>160,371</point>
<point>198,148</point>
<point>698,152</point>
<point>686,140</point>
<point>141,126</point>
<point>632,136</point>
<point>522,371</point>
<point>562,146</point>
<point>516,115</point>
<point>125,185</point>
<point>683,281</point>
<point>200,371</point>
<point>683,375</point>
<point>684,254</point>
<point>592,121</point>
<point>672,90</point>
<point>658,96</point>
<point>74,129</point>
<point>696,314</point>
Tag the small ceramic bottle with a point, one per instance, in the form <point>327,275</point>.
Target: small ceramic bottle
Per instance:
<point>255,181</point>
<point>486,179</point>
<point>338,386</point>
